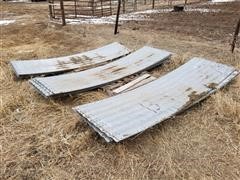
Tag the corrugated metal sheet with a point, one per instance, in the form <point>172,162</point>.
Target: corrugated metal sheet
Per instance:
<point>61,64</point>
<point>138,61</point>
<point>124,115</point>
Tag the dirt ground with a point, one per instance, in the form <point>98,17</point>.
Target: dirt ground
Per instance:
<point>44,139</point>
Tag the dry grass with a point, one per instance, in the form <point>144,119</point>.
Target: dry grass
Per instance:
<point>43,139</point>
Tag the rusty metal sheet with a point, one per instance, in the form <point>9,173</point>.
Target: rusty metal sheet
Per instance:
<point>127,114</point>
<point>140,60</point>
<point>62,64</point>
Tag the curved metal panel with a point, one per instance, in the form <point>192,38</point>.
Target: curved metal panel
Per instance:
<point>124,115</point>
<point>142,59</point>
<point>61,64</point>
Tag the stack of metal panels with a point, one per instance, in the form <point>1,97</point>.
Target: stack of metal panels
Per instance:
<point>124,115</point>
<point>140,60</point>
<point>81,61</point>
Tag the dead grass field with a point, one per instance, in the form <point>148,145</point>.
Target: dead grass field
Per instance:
<point>43,139</point>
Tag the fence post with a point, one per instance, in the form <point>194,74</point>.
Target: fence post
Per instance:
<point>101,6</point>
<point>75,8</point>
<point>135,5</point>
<point>117,17</point>
<point>63,13</point>
<point>123,2</point>
<point>110,6</point>
<point>235,36</point>
<point>93,7</point>
<point>53,8</point>
<point>153,4</point>
<point>50,9</point>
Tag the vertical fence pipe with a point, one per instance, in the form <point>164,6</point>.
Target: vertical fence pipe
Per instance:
<point>53,8</point>
<point>93,7</point>
<point>135,5</point>
<point>63,13</point>
<point>50,9</point>
<point>75,8</point>
<point>110,6</point>
<point>117,17</point>
<point>153,4</point>
<point>102,7</point>
<point>235,36</point>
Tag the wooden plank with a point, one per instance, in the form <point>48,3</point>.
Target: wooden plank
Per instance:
<point>130,84</point>
<point>143,82</point>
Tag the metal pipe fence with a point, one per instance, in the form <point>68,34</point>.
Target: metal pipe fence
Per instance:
<point>72,9</point>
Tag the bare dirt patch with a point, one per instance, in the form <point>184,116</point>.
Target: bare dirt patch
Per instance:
<point>42,138</point>
<point>199,21</point>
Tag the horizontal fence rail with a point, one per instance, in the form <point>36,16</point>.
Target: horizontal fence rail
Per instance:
<point>76,8</point>
<point>73,9</point>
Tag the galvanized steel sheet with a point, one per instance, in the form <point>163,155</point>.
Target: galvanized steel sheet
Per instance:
<point>142,59</point>
<point>61,64</point>
<point>121,116</point>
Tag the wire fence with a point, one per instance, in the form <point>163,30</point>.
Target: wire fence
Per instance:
<point>99,8</point>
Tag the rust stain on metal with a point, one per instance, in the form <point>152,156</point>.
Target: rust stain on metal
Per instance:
<point>188,89</point>
<point>140,60</point>
<point>118,69</point>
<point>62,65</point>
<point>84,60</point>
<point>109,68</point>
<point>100,56</point>
<point>212,86</point>
<point>193,97</point>
<point>81,59</point>
<point>75,60</point>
